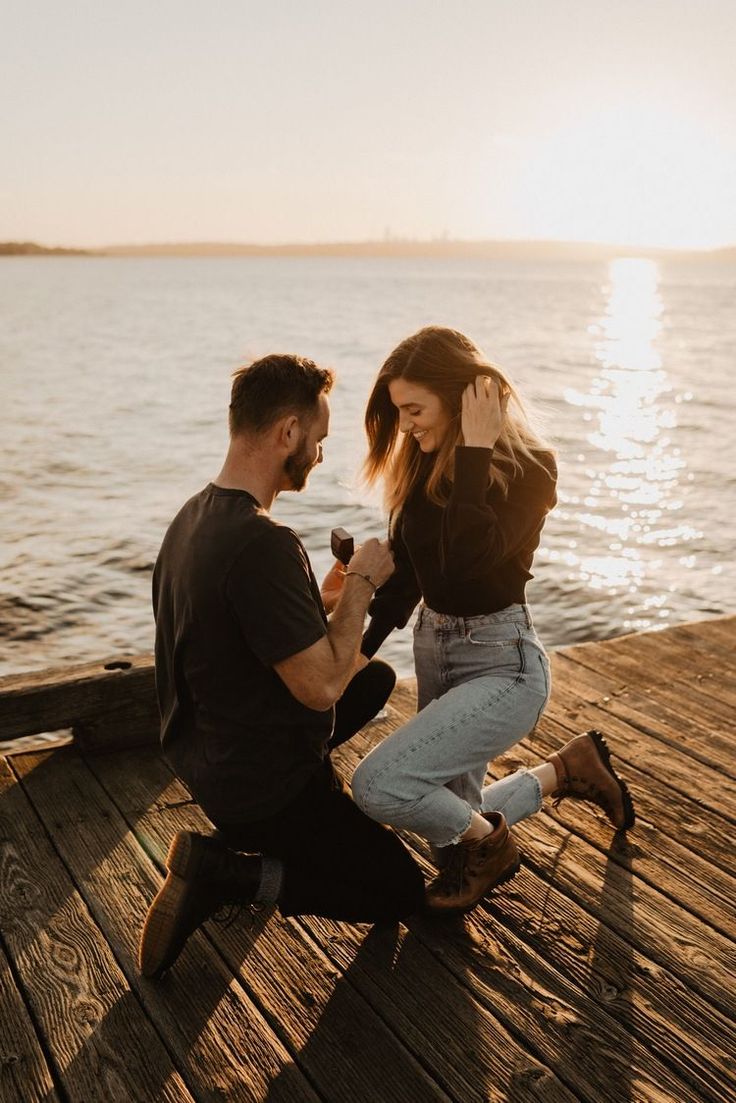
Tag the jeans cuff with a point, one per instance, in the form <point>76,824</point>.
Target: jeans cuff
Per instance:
<point>458,838</point>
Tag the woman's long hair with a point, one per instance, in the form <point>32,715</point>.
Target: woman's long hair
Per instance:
<point>445,362</point>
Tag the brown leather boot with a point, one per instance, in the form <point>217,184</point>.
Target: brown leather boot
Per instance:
<point>584,772</point>
<point>203,875</point>
<point>473,869</point>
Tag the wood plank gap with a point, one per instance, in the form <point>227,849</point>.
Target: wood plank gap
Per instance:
<point>679,759</point>
<point>696,741</point>
<point>704,831</point>
<point>715,887</point>
<point>81,1000</point>
<point>685,664</point>
<point>718,887</point>
<point>681,1068</point>
<point>281,945</point>
<point>314,940</point>
<point>693,698</point>
<point>554,835</point>
<point>20,1083</point>
<point>493,909</point>
<point>648,788</point>
<point>230,1048</point>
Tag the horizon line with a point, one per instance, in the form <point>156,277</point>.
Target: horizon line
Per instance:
<point>386,245</point>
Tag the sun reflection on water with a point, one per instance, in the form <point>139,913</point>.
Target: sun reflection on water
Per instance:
<point>634,472</point>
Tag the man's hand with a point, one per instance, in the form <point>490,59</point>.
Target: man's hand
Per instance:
<point>360,663</point>
<point>483,412</point>
<point>332,585</point>
<point>375,559</point>
<point>318,675</point>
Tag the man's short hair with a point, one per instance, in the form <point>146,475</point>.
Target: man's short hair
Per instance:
<point>274,386</point>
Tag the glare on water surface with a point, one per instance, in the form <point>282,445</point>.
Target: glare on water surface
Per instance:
<point>633,471</point>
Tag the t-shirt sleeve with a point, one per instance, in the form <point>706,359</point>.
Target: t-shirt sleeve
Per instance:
<point>269,588</point>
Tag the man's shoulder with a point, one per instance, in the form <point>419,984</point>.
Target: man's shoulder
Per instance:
<point>274,536</point>
<point>270,548</point>
<point>215,508</point>
<point>230,526</point>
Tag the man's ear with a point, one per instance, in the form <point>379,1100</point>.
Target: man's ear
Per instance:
<point>290,432</point>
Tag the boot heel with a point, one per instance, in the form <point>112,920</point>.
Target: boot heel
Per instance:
<point>509,874</point>
<point>603,751</point>
<point>183,857</point>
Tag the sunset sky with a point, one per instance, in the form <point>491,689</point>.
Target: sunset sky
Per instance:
<point>590,120</point>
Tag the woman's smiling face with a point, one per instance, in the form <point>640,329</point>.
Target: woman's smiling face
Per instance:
<point>421,413</point>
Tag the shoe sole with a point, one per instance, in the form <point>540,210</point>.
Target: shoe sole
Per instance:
<point>605,756</point>
<point>158,930</point>
<point>506,876</point>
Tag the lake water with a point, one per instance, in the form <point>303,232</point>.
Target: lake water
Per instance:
<point>114,383</point>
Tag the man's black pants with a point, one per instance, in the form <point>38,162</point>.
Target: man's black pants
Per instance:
<point>338,862</point>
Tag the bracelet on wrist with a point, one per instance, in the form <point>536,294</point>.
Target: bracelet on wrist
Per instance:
<point>367,577</point>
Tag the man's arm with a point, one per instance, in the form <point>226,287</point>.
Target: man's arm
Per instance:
<point>318,675</point>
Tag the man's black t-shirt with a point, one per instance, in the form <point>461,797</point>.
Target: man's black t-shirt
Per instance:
<point>234,593</point>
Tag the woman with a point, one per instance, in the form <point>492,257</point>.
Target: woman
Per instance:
<point>468,487</point>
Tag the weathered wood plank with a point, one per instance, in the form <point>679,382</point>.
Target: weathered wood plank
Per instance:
<point>674,665</point>
<point>590,699</point>
<point>705,732</point>
<point>520,973</point>
<point>685,1030</point>
<point>78,996</point>
<point>598,974</point>
<point>702,958</point>
<point>327,1005</point>
<point>672,829</point>
<point>715,633</point>
<point>24,1073</point>
<point>662,860</point>
<point>106,704</point>
<point>217,1037</point>
<point>682,660</point>
<point>697,649</point>
<point>695,704</point>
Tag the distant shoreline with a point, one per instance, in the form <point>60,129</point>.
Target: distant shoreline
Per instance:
<point>31,249</point>
<point>443,249</point>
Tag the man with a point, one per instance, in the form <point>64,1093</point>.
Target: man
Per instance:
<point>248,672</point>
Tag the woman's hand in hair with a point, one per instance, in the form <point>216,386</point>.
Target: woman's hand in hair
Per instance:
<point>483,413</point>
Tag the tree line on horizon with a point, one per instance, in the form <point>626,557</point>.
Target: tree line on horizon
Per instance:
<point>396,247</point>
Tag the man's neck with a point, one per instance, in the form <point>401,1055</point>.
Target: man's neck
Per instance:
<point>256,473</point>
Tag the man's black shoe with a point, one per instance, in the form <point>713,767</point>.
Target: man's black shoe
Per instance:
<point>202,876</point>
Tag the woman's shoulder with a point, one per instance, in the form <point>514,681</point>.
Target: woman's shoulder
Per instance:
<point>544,460</point>
<point>538,472</point>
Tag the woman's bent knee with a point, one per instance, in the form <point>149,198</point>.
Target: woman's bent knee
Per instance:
<point>366,792</point>
<point>376,794</point>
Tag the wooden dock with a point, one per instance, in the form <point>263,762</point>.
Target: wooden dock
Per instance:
<point>604,972</point>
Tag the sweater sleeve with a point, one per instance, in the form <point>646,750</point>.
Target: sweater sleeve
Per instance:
<point>394,602</point>
<point>476,535</point>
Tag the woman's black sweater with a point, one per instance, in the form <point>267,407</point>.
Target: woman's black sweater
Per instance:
<point>469,557</point>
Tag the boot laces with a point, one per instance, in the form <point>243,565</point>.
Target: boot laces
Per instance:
<point>590,792</point>
<point>229,875</point>
<point>227,914</point>
<point>452,877</point>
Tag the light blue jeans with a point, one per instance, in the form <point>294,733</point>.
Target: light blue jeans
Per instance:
<point>482,684</point>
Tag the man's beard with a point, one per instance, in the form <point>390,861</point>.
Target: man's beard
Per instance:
<point>297,467</point>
